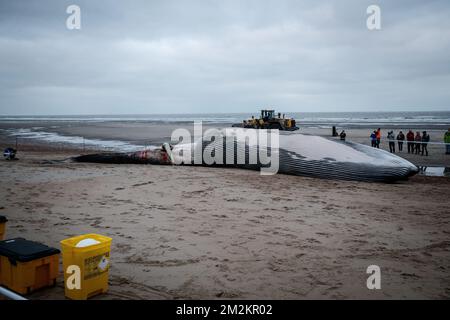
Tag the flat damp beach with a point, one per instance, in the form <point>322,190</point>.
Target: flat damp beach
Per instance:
<point>198,232</point>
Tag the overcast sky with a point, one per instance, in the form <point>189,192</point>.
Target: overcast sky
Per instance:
<point>189,56</point>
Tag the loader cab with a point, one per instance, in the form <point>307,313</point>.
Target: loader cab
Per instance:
<point>267,115</point>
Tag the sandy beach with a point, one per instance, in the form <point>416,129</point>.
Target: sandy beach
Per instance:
<point>207,233</point>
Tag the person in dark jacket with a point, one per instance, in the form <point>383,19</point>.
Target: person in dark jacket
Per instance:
<point>373,139</point>
<point>400,139</point>
<point>418,140</point>
<point>425,140</point>
<point>410,141</point>
<point>343,135</point>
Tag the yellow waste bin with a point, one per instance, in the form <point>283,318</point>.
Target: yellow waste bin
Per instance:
<point>26,266</point>
<point>86,261</point>
<point>3,221</point>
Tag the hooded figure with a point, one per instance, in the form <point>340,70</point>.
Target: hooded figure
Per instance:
<point>400,139</point>
<point>373,139</point>
<point>425,140</point>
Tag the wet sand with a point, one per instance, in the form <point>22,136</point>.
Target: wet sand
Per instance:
<point>195,232</point>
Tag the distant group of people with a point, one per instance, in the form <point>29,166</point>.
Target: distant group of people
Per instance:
<point>417,144</point>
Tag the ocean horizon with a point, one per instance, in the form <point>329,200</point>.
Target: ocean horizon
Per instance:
<point>307,119</point>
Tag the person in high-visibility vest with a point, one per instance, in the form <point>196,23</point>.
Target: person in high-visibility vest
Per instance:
<point>378,134</point>
<point>447,141</point>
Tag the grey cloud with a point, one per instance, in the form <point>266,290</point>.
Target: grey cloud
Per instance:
<point>223,56</point>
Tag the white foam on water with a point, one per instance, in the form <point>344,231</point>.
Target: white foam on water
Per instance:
<point>141,118</point>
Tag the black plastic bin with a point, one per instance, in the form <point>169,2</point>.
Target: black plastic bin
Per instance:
<point>3,221</point>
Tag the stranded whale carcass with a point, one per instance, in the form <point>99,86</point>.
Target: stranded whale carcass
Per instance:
<point>298,154</point>
<point>321,157</point>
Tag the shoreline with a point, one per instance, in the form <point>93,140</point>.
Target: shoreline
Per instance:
<point>130,136</point>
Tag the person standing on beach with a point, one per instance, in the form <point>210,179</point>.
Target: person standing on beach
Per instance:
<point>373,138</point>
<point>343,135</point>
<point>447,141</point>
<point>425,140</point>
<point>400,139</point>
<point>391,138</point>
<point>378,134</point>
<point>418,140</point>
<point>410,139</point>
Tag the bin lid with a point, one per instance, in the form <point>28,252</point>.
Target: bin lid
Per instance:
<point>19,249</point>
<point>3,219</point>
